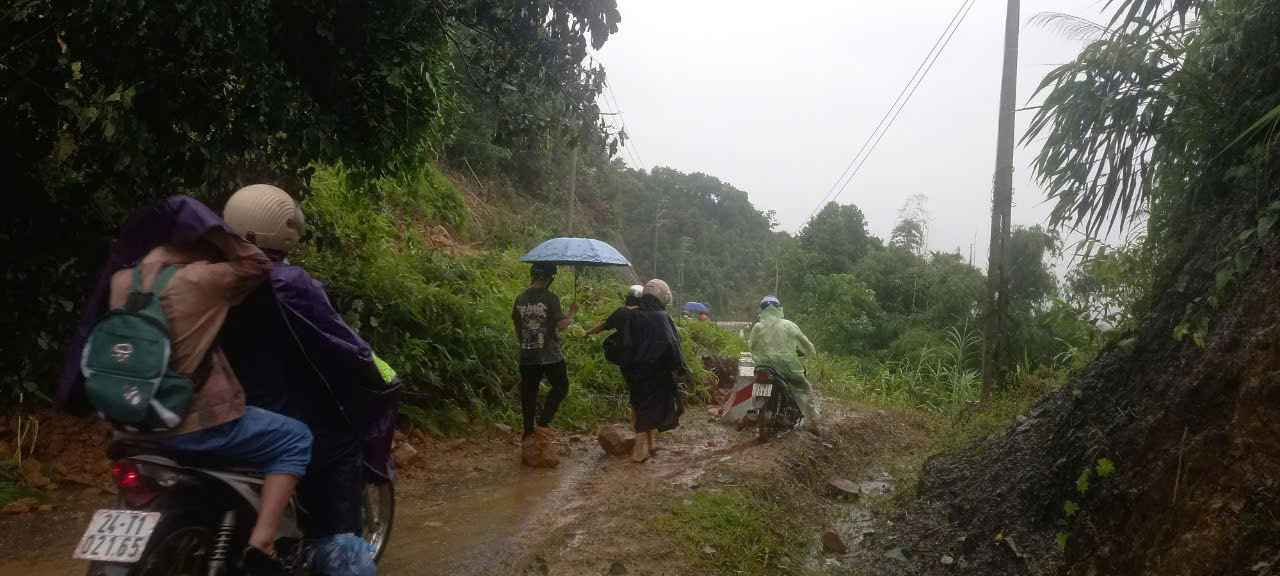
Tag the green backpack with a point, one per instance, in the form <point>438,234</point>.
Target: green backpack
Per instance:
<point>126,363</point>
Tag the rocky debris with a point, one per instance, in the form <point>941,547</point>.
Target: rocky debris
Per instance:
<point>895,554</point>
<point>20,506</point>
<point>400,437</point>
<point>417,435</point>
<point>404,455</point>
<point>708,550</point>
<point>502,428</point>
<point>538,451</point>
<point>617,439</point>
<point>45,508</point>
<point>946,560</point>
<point>832,543</point>
<point>91,491</point>
<point>617,569</point>
<point>32,472</point>
<point>713,411</point>
<point>844,486</point>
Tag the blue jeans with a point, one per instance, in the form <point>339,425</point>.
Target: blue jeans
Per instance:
<point>343,555</point>
<point>260,439</point>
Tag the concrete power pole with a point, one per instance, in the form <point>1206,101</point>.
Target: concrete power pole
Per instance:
<point>995,325</point>
<point>685,243</point>
<point>573,184</point>
<point>658,212</point>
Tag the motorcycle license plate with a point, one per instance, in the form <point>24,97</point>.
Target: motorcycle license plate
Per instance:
<point>117,536</point>
<point>762,389</point>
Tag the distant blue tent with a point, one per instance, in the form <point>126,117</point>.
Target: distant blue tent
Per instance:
<point>696,307</point>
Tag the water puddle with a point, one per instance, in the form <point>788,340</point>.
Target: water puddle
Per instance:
<point>480,528</point>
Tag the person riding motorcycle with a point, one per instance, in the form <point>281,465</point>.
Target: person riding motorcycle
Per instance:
<point>314,367</point>
<point>774,343</point>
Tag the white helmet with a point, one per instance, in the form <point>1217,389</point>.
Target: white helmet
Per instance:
<point>265,216</point>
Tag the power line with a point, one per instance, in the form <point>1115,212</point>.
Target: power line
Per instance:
<point>904,102</point>
<point>628,144</point>
<point>932,56</point>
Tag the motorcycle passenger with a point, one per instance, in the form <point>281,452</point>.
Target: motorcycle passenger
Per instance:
<point>216,271</point>
<point>314,367</point>
<point>774,343</point>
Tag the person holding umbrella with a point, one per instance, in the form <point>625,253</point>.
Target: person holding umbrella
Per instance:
<point>538,320</point>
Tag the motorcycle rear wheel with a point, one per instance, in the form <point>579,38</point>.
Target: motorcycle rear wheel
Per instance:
<point>377,511</point>
<point>765,417</point>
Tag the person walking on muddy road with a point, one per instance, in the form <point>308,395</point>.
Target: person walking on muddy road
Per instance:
<point>652,362</point>
<point>778,343</point>
<point>538,320</point>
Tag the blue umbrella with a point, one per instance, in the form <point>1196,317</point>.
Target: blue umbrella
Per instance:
<point>576,252</point>
<point>696,307</point>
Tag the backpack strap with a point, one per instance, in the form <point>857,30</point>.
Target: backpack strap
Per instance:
<point>147,302</point>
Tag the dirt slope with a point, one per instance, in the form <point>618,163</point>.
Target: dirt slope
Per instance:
<point>1194,435</point>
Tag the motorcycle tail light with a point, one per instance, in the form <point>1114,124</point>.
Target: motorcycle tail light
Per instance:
<point>136,488</point>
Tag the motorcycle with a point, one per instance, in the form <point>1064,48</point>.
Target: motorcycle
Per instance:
<point>776,410</point>
<point>180,516</point>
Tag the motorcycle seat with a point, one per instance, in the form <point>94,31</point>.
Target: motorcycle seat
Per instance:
<point>121,448</point>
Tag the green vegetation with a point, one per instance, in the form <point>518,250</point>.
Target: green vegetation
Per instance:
<point>735,532</point>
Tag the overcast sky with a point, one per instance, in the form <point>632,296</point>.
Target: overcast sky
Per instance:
<point>776,98</point>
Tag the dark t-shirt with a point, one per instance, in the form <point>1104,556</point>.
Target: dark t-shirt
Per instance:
<point>535,315</point>
<point>618,319</point>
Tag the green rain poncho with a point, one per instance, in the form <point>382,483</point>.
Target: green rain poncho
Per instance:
<point>774,343</point>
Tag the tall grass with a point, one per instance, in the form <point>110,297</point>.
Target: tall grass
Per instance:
<point>940,380</point>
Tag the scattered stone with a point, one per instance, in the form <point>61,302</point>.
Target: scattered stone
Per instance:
<point>617,439</point>
<point>432,524</point>
<point>32,472</point>
<point>454,444</point>
<point>713,411</point>
<point>46,508</point>
<point>404,455</point>
<point>895,554</point>
<point>946,560</point>
<point>538,451</point>
<point>708,550</point>
<point>16,508</point>
<point>52,486</point>
<point>831,562</point>
<point>58,468</point>
<point>832,543</point>
<point>1022,418</point>
<point>617,569</point>
<point>576,438</point>
<point>502,428</point>
<point>91,491</point>
<point>400,437</point>
<point>417,435</point>
<point>724,479</point>
<point>844,486</point>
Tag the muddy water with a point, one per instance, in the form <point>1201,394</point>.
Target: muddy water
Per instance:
<point>482,527</point>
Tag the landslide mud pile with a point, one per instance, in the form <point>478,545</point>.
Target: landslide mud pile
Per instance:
<point>1193,433</point>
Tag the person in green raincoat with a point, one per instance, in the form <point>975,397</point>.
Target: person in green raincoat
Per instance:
<point>774,343</point>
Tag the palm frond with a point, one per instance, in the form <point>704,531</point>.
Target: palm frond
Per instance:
<point>1069,25</point>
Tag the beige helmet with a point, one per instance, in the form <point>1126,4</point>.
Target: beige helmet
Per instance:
<point>265,216</point>
<point>658,289</point>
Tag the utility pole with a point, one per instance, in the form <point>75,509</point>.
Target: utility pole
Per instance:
<point>994,349</point>
<point>573,184</point>
<point>685,243</point>
<point>658,213</point>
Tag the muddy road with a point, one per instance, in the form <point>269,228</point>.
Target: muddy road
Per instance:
<point>467,507</point>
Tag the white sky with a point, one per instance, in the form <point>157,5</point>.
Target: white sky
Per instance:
<point>776,97</point>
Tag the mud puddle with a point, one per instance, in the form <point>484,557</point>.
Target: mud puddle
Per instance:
<point>480,523</point>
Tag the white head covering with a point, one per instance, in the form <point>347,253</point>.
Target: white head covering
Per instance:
<point>635,291</point>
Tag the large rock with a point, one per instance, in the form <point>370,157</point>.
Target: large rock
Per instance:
<point>617,439</point>
<point>832,543</point>
<point>538,451</point>
<point>404,455</point>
